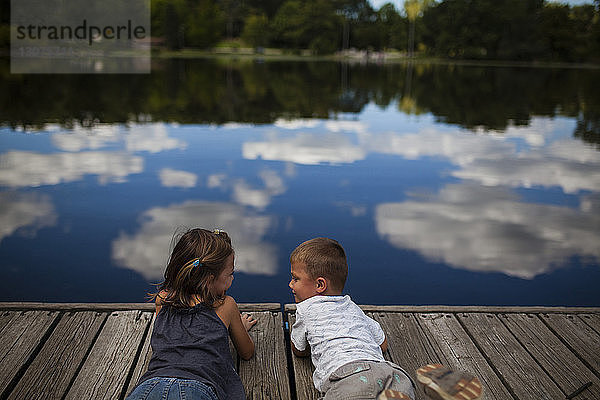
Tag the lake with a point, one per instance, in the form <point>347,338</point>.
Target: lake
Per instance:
<point>445,183</point>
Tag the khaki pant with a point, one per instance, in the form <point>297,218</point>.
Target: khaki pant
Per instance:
<point>361,380</point>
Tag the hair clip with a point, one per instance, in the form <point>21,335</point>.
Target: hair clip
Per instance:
<point>218,231</point>
<point>197,263</point>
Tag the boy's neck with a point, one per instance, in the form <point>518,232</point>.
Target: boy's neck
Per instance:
<point>330,293</point>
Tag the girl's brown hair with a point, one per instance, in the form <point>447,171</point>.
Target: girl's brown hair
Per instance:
<point>196,260</point>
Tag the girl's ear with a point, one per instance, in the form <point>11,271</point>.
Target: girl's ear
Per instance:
<point>320,284</point>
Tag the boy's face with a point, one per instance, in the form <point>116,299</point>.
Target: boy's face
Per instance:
<point>302,285</point>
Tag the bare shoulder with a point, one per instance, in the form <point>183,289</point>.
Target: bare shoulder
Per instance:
<point>160,297</point>
<point>229,305</point>
<point>227,309</point>
<point>159,300</point>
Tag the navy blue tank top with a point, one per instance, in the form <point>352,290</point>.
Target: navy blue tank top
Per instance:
<point>193,343</point>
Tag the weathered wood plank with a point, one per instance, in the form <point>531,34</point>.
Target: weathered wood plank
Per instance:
<point>142,364</point>
<point>303,371</point>
<point>593,320</point>
<point>558,361</point>
<point>386,354</point>
<point>105,370</point>
<point>579,336</point>
<point>469,309</point>
<point>5,318</point>
<point>117,306</point>
<point>20,338</point>
<point>49,375</point>
<point>407,344</point>
<point>520,372</point>
<point>265,376</point>
<point>458,349</point>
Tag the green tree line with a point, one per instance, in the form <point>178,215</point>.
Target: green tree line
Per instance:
<point>526,30</point>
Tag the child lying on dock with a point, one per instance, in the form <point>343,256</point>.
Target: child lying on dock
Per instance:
<point>195,319</point>
<point>345,345</point>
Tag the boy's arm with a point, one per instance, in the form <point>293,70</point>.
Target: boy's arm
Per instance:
<point>384,345</point>
<point>298,353</point>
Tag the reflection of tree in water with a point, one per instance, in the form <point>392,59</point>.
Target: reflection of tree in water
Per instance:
<point>588,128</point>
<point>588,122</point>
<point>214,91</point>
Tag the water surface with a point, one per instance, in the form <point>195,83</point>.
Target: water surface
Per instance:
<point>445,184</point>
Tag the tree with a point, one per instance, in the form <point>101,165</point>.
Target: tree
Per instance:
<point>392,26</point>
<point>287,25</point>
<point>256,30</point>
<point>366,32</point>
<point>350,11</point>
<point>414,9</point>
<point>203,25</point>
<point>492,29</point>
<point>556,28</point>
<point>311,24</point>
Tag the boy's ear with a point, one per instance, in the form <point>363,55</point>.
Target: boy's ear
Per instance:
<point>321,284</point>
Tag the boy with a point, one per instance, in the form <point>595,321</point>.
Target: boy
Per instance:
<point>346,346</point>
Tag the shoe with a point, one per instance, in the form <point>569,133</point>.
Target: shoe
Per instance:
<point>390,394</point>
<point>443,383</point>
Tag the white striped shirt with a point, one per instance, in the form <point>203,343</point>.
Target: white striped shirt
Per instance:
<point>338,332</point>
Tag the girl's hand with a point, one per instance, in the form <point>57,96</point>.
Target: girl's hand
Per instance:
<point>248,321</point>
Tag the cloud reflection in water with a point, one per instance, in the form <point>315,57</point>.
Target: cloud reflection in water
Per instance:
<point>147,250</point>
<point>305,148</point>
<point>490,229</point>
<point>25,212</point>
<point>29,169</point>
<point>175,178</point>
<point>152,138</point>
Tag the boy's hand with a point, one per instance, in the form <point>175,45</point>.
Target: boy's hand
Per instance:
<point>248,321</point>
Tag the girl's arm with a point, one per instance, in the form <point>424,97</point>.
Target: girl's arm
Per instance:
<point>238,329</point>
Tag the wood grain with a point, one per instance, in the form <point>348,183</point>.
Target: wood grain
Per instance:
<point>117,306</point>
<point>408,345</point>
<point>22,335</point>
<point>468,309</point>
<point>580,337</point>
<point>49,375</point>
<point>303,371</point>
<point>555,358</point>
<point>91,351</point>
<point>265,375</point>
<point>519,371</point>
<point>142,363</point>
<point>104,372</point>
<point>461,353</point>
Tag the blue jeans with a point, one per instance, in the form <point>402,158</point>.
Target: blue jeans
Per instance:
<point>172,389</point>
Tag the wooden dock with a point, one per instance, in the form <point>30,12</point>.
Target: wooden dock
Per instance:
<point>98,351</point>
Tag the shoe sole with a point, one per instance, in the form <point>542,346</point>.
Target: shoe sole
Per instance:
<point>389,394</point>
<point>467,387</point>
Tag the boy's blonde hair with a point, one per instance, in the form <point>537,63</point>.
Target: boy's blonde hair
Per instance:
<point>323,257</point>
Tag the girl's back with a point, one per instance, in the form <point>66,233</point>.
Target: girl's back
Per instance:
<point>193,343</point>
<point>194,321</point>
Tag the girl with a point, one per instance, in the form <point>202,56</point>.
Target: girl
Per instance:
<point>190,346</point>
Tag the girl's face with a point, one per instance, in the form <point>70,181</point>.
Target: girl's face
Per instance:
<point>223,282</point>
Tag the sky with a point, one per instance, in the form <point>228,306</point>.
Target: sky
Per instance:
<point>399,3</point>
